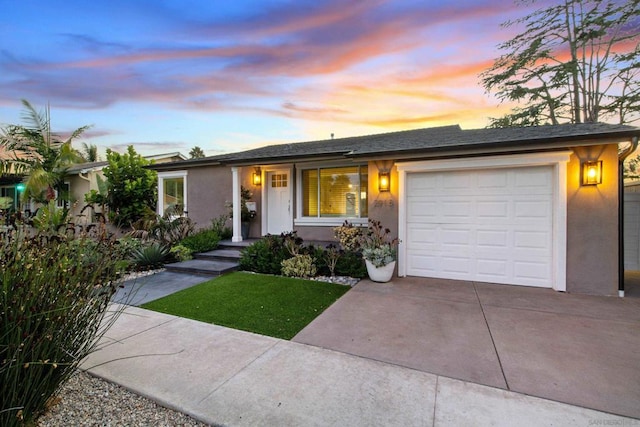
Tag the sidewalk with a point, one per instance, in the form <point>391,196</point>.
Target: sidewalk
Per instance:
<point>224,376</point>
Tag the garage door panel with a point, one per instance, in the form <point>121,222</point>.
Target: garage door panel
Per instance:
<point>424,265</point>
<point>422,237</point>
<point>532,273</point>
<point>455,180</point>
<point>532,209</point>
<point>421,209</point>
<point>493,209</point>
<point>492,239</point>
<point>491,226</point>
<point>498,178</point>
<point>455,264</point>
<point>532,240</point>
<point>532,178</point>
<point>491,269</point>
<point>456,209</point>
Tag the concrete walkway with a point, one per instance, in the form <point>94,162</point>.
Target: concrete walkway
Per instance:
<point>223,376</point>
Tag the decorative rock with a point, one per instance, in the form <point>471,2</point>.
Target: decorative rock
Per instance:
<point>341,280</point>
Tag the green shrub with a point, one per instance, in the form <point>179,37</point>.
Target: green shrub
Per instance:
<point>299,266</point>
<point>131,187</point>
<point>320,261</point>
<point>202,241</point>
<point>351,264</point>
<point>265,255</point>
<point>181,253</point>
<point>151,256</point>
<point>219,225</point>
<point>54,296</point>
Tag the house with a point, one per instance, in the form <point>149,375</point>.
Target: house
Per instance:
<point>535,206</point>
<point>81,178</point>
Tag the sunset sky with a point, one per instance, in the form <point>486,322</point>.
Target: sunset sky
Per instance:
<point>169,75</point>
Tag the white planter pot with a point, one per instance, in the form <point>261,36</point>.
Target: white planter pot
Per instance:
<point>380,274</point>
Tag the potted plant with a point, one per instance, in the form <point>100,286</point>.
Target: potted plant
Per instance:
<point>379,251</point>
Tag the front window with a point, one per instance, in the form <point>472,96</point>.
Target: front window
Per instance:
<point>339,192</point>
<point>8,198</point>
<point>173,195</point>
<point>63,195</point>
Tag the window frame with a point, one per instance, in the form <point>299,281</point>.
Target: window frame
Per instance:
<point>171,175</point>
<point>324,221</point>
<point>62,203</point>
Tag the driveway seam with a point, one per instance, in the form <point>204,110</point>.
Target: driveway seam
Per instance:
<point>435,401</point>
<point>493,342</point>
<point>241,369</point>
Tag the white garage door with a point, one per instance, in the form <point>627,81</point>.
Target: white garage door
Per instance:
<point>492,225</point>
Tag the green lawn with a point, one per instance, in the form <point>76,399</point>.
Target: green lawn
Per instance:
<point>268,305</point>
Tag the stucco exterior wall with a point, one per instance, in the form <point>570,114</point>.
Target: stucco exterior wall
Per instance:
<point>79,187</point>
<point>383,206</point>
<point>592,224</point>
<point>208,188</point>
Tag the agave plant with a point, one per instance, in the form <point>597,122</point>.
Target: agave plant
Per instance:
<point>151,256</point>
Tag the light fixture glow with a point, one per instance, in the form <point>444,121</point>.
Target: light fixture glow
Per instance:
<point>592,173</point>
<point>384,181</point>
<point>256,177</point>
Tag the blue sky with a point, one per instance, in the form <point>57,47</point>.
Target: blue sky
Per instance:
<point>227,76</point>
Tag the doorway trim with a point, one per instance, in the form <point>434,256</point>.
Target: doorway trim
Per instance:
<point>264,209</point>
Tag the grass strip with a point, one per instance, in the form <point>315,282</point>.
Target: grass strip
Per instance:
<point>276,306</point>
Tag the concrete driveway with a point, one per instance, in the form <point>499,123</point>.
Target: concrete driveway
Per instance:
<point>578,349</point>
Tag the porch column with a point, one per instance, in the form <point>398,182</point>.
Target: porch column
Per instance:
<point>235,188</point>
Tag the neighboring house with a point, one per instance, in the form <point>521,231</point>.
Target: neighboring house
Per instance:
<point>504,206</point>
<point>82,178</point>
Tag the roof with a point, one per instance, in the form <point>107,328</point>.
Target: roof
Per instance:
<point>436,140</point>
<point>93,166</point>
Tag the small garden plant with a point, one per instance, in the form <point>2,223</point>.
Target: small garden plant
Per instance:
<point>275,254</point>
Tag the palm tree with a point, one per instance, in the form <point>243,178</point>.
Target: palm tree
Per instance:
<point>40,153</point>
<point>89,152</point>
<point>196,153</point>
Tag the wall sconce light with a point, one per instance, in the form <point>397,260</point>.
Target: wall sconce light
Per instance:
<point>384,181</point>
<point>592,173</point>
<point>256,177</point>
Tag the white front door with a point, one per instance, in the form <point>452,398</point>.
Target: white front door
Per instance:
<point>279,207</point>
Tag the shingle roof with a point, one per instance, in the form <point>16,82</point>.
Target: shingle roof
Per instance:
<point>377,143</point>
<point>423,141</point>
<point>451,138</point>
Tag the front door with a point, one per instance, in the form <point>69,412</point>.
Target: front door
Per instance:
<point>279,217</point>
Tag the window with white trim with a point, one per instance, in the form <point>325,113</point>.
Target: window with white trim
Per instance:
<point>172,188</point>
<point>63,195</point>
<point>335,192</point>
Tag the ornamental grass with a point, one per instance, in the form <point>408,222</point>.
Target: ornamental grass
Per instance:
<point>54,306</point>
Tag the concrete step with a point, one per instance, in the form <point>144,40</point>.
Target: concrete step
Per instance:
<point>220,254</point>
<point>228,244</point>
<point>206,267</point>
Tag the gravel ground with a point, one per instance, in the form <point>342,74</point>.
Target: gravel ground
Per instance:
<point>89,401</point>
